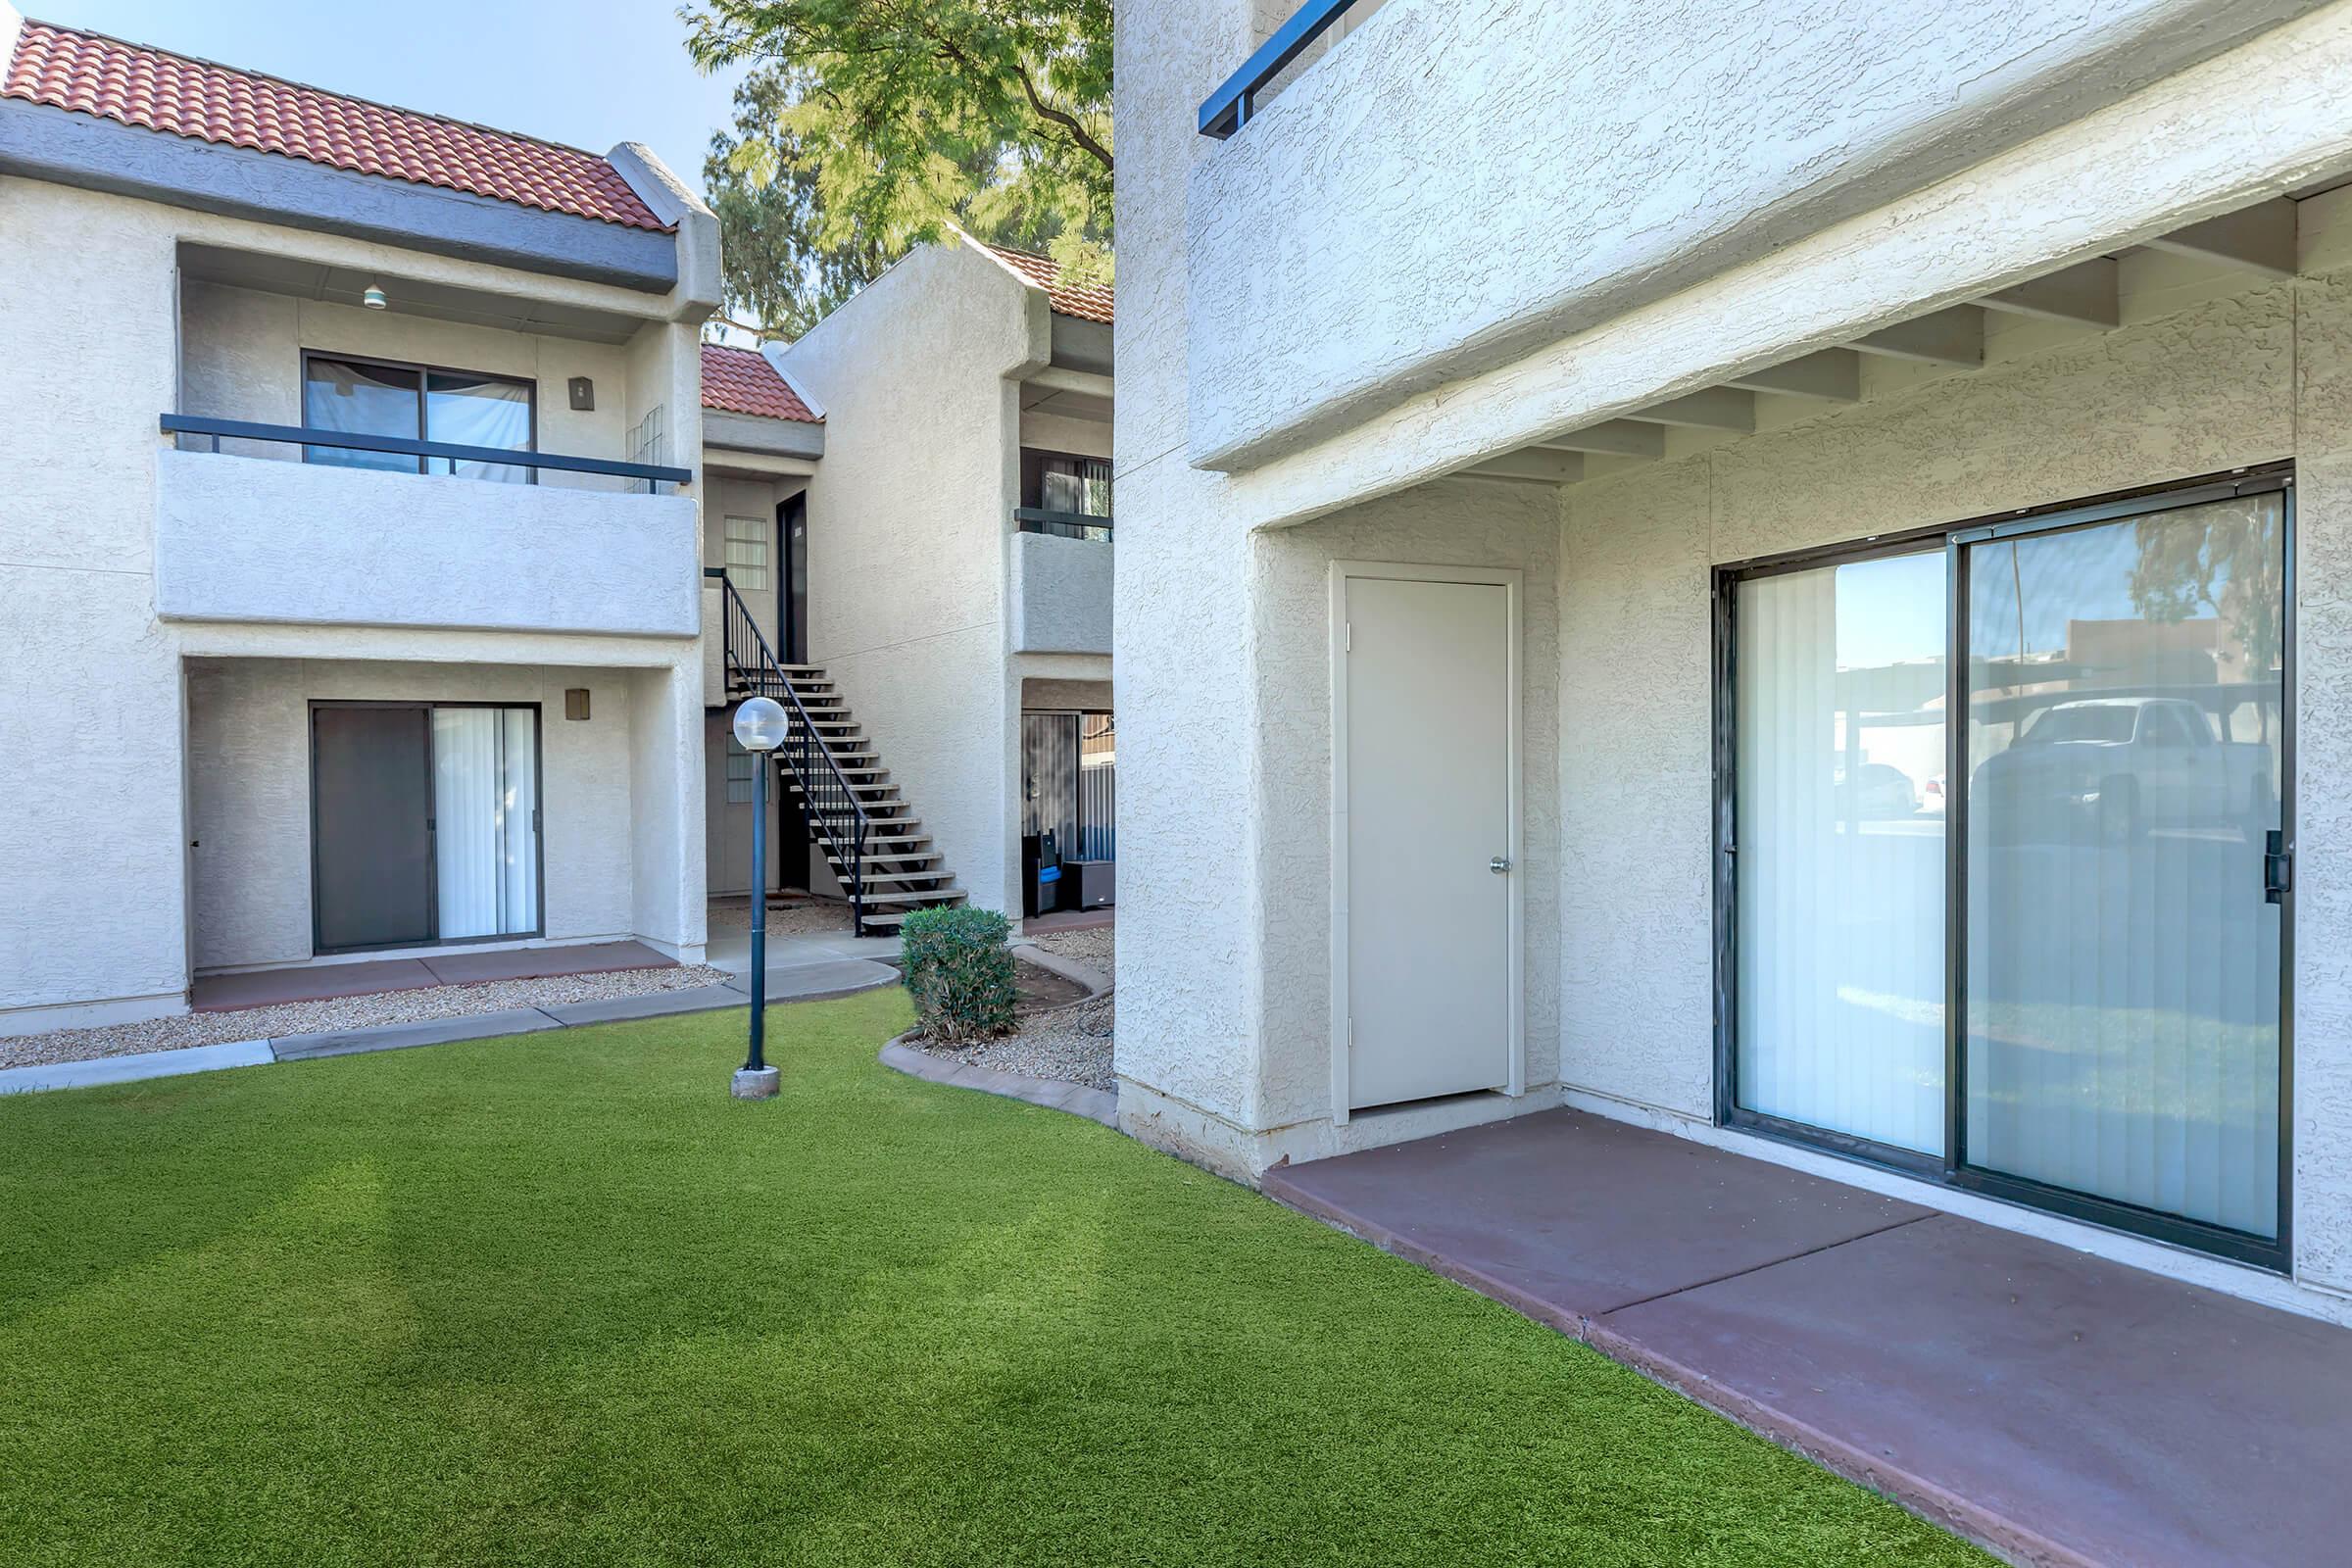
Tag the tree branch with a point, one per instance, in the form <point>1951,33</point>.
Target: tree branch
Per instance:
<point>1067,121</point>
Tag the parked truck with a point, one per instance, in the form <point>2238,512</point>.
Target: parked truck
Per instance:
<point>2116,766</point>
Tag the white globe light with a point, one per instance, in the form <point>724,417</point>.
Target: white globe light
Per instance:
<point>760,724</point>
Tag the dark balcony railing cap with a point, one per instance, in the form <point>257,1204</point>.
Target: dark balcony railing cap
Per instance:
<point>403,446</point>
<point>1230,107</point>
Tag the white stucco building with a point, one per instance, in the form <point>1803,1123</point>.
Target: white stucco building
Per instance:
<point>1574,463</point>
<point>297,666</point>
<point>936,575</point>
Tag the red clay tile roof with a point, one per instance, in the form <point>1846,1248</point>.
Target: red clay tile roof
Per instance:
<point>89,74</point>
<point>742,382</point>
<point>1086,301</point>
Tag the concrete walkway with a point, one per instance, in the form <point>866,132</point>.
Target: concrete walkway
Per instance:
<point>813,979</point>
<point>441,967</point>
<point>2054,1407</point>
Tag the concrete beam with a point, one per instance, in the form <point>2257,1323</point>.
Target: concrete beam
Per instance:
<point>2084,294</point>
<point>1832,375</point>
<point>750,432</point>
<point>1954,336</point>
<point>1532,467</point>
<point>1717,407</point>
<point>1086,383</point>
<point>2259,239</point>
<point>1616,438</point>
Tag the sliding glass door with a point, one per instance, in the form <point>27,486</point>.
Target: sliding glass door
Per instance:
<point>425,824</point>
<point>485,810</point>
<point>2127,700</point>
<point>1840,889</point>
<point>2041,953</point>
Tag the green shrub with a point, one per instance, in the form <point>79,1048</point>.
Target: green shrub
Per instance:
<point>959,972</point>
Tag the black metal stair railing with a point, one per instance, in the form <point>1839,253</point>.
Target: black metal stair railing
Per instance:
<point>834,809</point>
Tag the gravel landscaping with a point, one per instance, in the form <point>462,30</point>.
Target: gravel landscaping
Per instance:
<point>342,1012</point>
<point>805,918</point>
<point>1090,948</point>
<point>1070,1042</point>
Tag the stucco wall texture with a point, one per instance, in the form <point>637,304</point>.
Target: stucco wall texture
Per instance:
<point>94,829</point>
<point>250,797</point>
<point>1672,142</point>
<point>240,538</point>
<point>1223,666</point>
<point>909,517</point>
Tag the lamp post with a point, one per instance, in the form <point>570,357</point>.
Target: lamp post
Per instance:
<point>759,726</point>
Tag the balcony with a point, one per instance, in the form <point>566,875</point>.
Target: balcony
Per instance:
<point>1061,601</point>
<point>1457,187</point>
<point>249,538</point>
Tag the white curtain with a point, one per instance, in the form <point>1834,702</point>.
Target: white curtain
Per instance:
<point>1840,849</point>
<point>2122,974</point>
<point>472,410</point>
<point>487,841</point>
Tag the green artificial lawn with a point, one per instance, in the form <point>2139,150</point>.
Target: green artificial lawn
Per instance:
<point>557,1300</point>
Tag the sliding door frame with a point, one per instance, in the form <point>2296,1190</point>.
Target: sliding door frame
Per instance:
<point>2262,1251</point>
<point>1728,1112</point>
<point>432,860</point>
<point>1951,1168</point>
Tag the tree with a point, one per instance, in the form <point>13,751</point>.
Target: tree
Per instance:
<point>2228,558</point>
<point>867,125</point>
<point>781,277</point>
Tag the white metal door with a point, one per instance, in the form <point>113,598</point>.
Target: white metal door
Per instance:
<point>1427,832</point>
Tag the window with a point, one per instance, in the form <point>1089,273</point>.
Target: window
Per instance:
<point>746,552</point>
<point>1066,482</point>
<point>739,774</point>
<point>417,403</point>
<point>2004,823</point>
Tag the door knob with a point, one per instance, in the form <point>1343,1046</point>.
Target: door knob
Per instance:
<point>1501,866</point>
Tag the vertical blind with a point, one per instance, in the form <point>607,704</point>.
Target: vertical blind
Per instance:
<point>1839,979</point>
<point>486,840</point>
<point>2125,694</point>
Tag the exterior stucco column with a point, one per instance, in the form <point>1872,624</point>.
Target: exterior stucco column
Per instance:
<point>1189,978</point>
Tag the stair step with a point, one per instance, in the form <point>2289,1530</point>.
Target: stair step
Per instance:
<point>875,879</point>
<point>891,919</point>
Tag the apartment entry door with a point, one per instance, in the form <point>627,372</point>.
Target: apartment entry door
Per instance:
<point>1425,834</point>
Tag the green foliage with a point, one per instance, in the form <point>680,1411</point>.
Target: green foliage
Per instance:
<point>781,275</point>
<point>2224,560</point>
<point>882,121</point>
<point>959,972</point>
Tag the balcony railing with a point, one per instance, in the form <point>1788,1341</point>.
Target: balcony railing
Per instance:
<point>1062,525</point>
<point>218,430</point>
<point>1230,107</point>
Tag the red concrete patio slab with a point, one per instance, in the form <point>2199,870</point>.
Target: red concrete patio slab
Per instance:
<point>2054,1405</point>
<point>468,966</point>
<point>260,987</point>
<point>1567,1215</point>
<point>448,967</point>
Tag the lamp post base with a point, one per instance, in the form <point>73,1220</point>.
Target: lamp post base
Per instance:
<point>756,1083</point>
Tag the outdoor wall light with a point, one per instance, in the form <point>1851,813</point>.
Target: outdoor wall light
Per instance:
<point>759,726</point>
<point>374,298</point>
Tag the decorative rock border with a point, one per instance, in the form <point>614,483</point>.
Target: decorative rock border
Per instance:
<point>1053,1094</point>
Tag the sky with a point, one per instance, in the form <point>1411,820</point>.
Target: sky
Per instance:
<point>589,73</point>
